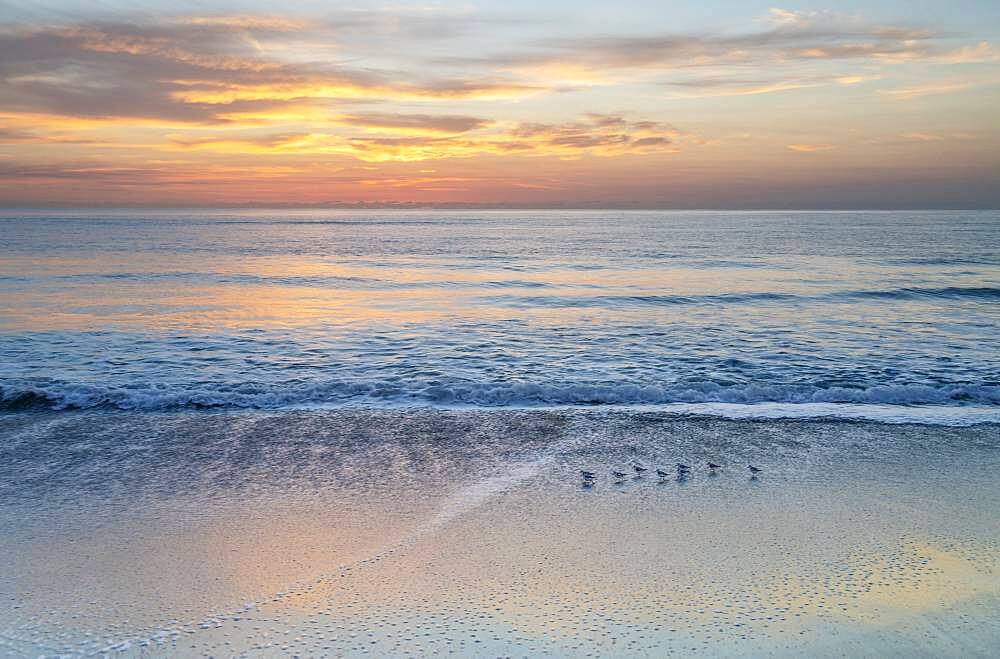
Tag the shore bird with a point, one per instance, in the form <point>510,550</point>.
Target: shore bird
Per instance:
<point>662,474</point>
<point>712,466</point>
<point>638,468</point>
<point>618,475</point>
<point>587,475</point>
<point>754,470</point>
<point>682,468</point>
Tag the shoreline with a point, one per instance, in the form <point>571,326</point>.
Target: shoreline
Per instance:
<point>410,532</point>
<point>956,416</point>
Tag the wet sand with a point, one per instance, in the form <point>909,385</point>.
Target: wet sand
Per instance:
<point>402,533</point>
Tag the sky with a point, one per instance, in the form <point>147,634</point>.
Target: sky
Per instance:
<point>590,103</point>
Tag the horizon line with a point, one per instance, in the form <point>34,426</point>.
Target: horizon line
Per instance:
<point>477,206</point>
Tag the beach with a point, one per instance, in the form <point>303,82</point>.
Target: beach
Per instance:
<point>338,433</point>
<point>416,531</point>
<point>407,329</point>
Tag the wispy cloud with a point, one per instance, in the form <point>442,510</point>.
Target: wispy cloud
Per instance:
<point>788,38</point>
<point>808,148</point>
<point>19,136</point>
<point>730,86</point>
<point>927,89</point>
<point>980,53</point>
<point>592,134</point>
<point>923,137</point>
<point>419,124</point>
<point>199,70</point>
<point>362,97</point>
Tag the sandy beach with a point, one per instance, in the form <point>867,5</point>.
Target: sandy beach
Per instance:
<point>482,329</point>
<point>411,532</point>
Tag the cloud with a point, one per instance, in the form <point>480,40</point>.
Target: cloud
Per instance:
<point>788,38</point>
<point>229,69</point>
<point>197,70</point>
<point>592,134</point>
<point>106,172</point>
<point>185,100</point>
<point>927,89</point>
<point>923,137</point>
<point>808,148</point>
<point>272,143</point>
<point>979,53</point>
<point>17,136</point>
<point>722,85</point>
<point>413,123</point>
<point>734,86</point>
<point>253,22</point>
<point>339,86</point>
<point>14,135</point>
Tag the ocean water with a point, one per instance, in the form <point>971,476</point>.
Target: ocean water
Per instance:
<point>333,433</point>
<point>881,315</point>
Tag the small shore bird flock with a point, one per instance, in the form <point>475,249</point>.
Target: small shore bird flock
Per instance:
<point>682,471</point>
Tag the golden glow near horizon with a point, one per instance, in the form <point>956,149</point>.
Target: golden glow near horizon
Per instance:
<point>768,107</point>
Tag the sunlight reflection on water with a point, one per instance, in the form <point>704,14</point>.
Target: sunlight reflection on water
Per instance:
<point>577,307</point>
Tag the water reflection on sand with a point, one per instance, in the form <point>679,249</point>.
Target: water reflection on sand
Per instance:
<point>410,532</point>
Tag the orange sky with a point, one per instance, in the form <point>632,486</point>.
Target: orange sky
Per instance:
<point>762,107</point>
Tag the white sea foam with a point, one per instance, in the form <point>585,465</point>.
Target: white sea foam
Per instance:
<point>710,310</point>
<point>944,405</point>
<point>935,415</point>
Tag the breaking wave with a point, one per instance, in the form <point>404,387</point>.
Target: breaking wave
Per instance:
<point>53,395</point>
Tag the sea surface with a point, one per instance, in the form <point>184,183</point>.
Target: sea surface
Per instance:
<point>338,433</point>
<point>890,316</point>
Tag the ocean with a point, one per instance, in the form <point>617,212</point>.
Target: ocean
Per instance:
<point>360,433</point>
<point>889,316</point>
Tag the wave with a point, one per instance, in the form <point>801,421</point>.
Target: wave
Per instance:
<point>250,279</point>
<point>943,260</point>
<point>983,293</point>
<point>514,299</point>
<point>947,292</point>
<point>55,395</point>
